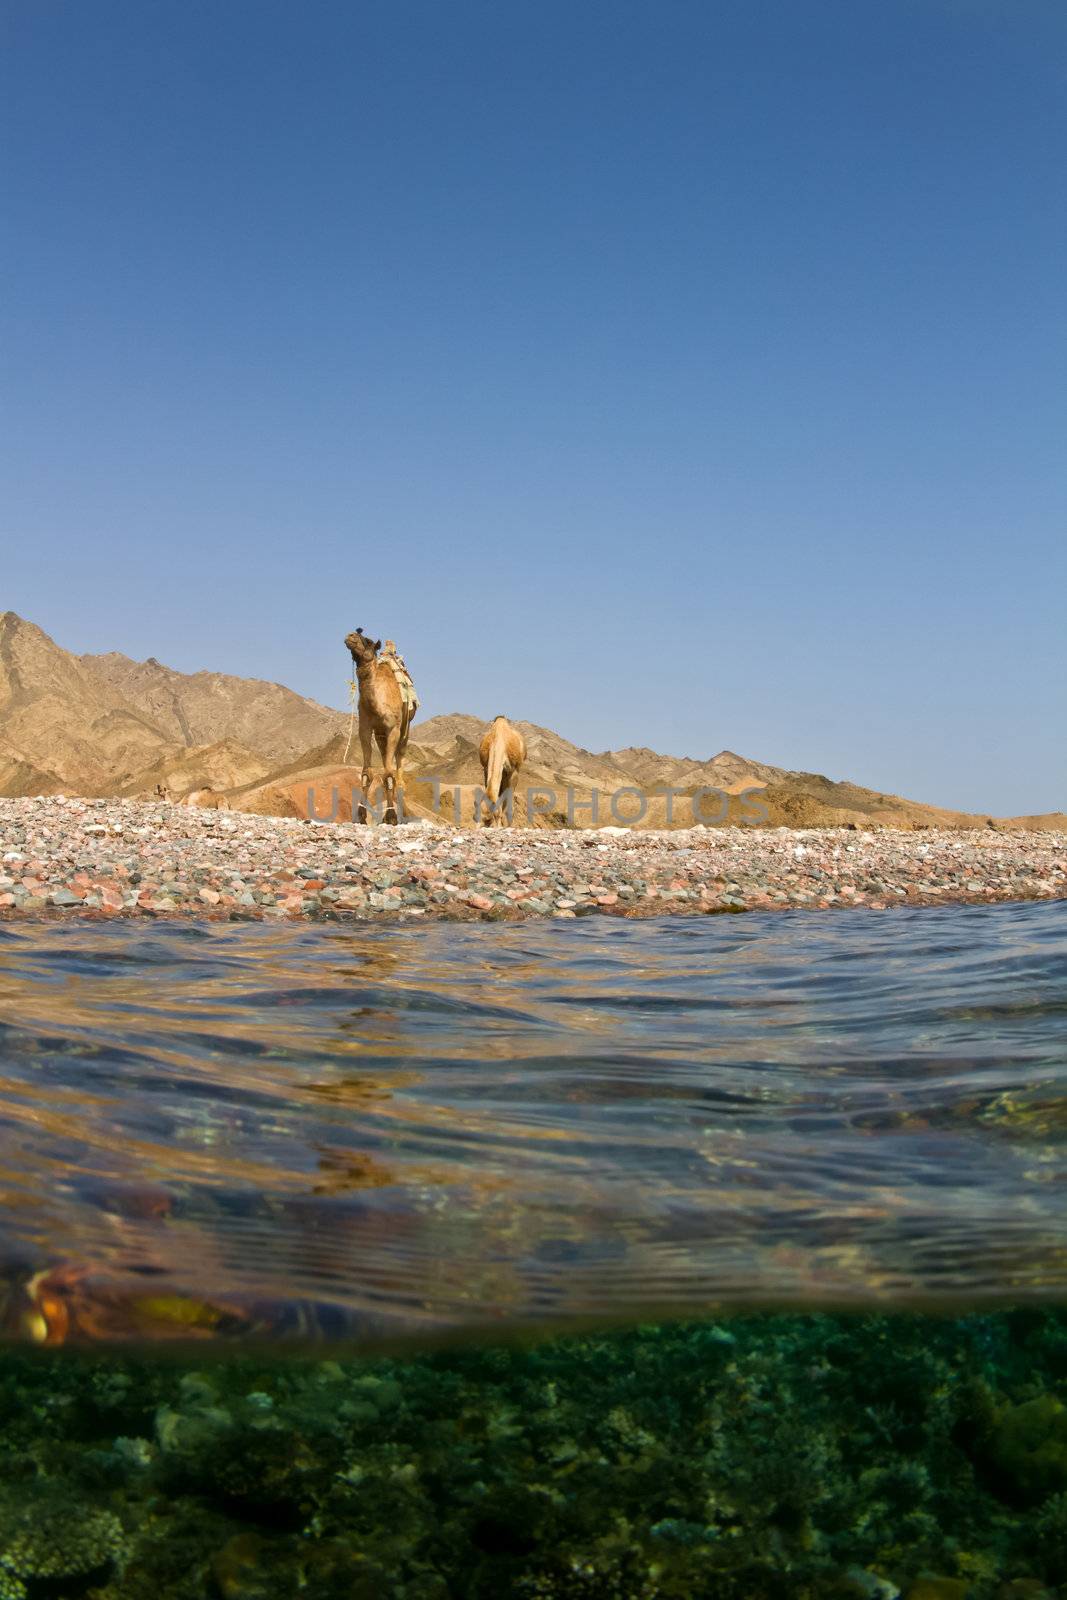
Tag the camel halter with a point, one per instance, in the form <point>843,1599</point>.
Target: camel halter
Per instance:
<point>353,699</point>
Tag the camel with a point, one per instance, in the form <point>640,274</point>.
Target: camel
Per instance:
<point>387,706</point>
<point>502,752</point>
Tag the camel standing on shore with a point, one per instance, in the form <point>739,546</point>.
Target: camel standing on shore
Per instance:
<point>502,752</point>
<point>387,706</point>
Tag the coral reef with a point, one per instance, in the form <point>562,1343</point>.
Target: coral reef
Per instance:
<point>761,1458</point>
<point>48,1532</point>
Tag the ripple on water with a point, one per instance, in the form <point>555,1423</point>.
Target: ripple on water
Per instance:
<point>214,1128</point>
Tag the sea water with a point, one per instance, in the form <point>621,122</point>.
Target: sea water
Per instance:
<point>712,1257</point>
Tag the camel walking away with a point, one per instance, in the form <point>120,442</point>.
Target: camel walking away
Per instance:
<point>502,752</point>
<point>387,706</point>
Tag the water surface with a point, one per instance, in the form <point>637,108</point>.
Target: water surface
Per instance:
<point>367,1131</point>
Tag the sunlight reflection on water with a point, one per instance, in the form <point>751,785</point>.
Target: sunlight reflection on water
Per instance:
<point>362,1130</point>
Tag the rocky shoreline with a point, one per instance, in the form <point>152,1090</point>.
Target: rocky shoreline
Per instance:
<point>105,858</point>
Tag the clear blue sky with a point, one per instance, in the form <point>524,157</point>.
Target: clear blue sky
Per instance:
<point>678,373</point>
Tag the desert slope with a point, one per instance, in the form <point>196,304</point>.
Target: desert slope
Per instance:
<point>202,708</point>
<point>60,721</point>
<point>106,725</point>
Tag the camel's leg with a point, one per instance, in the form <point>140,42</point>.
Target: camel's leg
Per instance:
<point>389,762</point>
<point>493,787</point>
<point>492,800</point>
<point>398,764</point>
<point>365,735</point>
<point>505,799</point>
<point>380,739</point>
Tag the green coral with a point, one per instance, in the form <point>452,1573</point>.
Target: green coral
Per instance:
<point>591,1577</point>
<point>1028,1446</point>
<point>1051,1531</point>
<point>46,1533</point>
<point>766,1458</point>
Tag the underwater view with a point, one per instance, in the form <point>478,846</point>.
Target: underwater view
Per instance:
<point>721,1257</point>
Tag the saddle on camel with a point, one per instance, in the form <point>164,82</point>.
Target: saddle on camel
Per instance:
<point>387,706</point>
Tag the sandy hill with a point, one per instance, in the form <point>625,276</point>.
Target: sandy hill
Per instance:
<point>59,722</point>
<point>104,724</point>
<point>201,708</point>
<point>724,771</point>
<point>437,733</point>
<point>226,764</point>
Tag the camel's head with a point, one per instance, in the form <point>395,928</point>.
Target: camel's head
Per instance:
<point>363,651</point>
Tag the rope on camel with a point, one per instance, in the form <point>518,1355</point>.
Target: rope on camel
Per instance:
<point>353,695</point>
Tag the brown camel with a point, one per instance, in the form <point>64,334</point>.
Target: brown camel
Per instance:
<point>387,705</point>
<point>502,752</point>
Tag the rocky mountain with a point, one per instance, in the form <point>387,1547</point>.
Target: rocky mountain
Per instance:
<point>104,724</point>
<point>201,708</point>
<point>724,771</point>
<point>61,726</point>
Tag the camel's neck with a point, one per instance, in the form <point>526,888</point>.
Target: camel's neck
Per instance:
<point>373,686</point>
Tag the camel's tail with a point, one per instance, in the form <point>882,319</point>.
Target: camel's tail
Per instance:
<point>494,770</point>
<point>495,767</point>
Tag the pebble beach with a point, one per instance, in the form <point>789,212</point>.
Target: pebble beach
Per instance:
<point>61,856</point>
